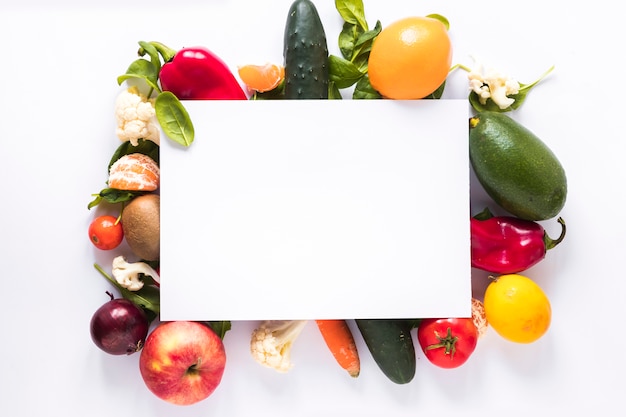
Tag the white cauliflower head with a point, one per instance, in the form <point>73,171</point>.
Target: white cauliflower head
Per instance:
<point>127,274</point>
<point>272,341</point>
<point>493,85</point>
<point>136,117</point>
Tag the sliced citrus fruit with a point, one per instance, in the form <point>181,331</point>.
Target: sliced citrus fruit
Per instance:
<point>134,172</point>
<point>262,78</point>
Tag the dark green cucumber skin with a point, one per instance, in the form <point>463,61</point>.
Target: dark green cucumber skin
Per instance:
<point>391,346</point>
<point>516,168</point>
<point>305,53</point>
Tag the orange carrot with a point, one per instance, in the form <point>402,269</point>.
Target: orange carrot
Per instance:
<point>340,341</point>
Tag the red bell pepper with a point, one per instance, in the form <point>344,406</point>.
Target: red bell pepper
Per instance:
<point>198,74</point>
<point>508,245</point>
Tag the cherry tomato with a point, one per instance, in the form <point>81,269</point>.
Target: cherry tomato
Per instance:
<point>106,232</point>
<point>447,343</point>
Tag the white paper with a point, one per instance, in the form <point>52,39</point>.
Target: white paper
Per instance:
<point>299,209</point>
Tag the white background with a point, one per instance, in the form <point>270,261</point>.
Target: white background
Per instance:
<point>59,66</point>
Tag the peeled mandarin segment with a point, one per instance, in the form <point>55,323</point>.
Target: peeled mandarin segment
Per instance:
<point>134,172</point>
<point>262,78</point>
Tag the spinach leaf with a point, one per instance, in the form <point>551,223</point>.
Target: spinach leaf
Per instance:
<point>174,119</point>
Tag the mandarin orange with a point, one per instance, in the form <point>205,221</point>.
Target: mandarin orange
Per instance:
<point>134,172</point>
<point>262,78</point>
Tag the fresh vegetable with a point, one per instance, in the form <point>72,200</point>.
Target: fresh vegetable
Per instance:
<point>147,297</point>
<point>517,308</point>
<point>410,58</point>
<point>134,172</point>
<point>141,221</point>
<point>106,232</point>
<point>136,117</point>
<point>391,347</point>
<point>355,44</point>
<point>272,340</point>
<point>131,275</point>
<point>479,317</point>
<point>506,244</point>
<point>516,168</point>
<point>490,90</point>
<point>196,73</point>
<point>119,327</point>
<point>447,342</point>
<point>305,53</point>
<point>340,342</point>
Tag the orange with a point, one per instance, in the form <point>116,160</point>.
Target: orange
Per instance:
<point>517,308</point>
<point>262,78</point>
<point>410,58</point>
<point>134,172</point>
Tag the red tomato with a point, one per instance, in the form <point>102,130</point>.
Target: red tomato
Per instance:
<point>447,343</point>
<point>106,232</point>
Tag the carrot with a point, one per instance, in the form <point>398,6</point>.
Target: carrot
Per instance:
<point>340,342</point>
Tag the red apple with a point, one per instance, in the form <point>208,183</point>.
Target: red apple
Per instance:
<point>182,362</point>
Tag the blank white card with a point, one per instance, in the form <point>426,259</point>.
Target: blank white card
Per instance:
<point>317,209</point>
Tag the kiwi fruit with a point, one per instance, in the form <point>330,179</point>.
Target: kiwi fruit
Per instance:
<point>141,222</point>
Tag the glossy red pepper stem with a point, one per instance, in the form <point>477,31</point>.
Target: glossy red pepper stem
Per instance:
<point>551,243</point>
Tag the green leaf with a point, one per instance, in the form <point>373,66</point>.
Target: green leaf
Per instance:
<point>352,11</point>
<point>219,327</point>
<point>437,93</point>
<point>146,147</point>
<point>348,37</point>
<point>333,91</point>
<point>343,72</point>
<point>174,119</point>
<point>143,70</point>
<point>155,58</point>
<point>441,18</point>
<point>364,90</point>
<point>113,196</point>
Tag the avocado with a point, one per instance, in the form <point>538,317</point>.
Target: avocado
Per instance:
<point>515,167</point>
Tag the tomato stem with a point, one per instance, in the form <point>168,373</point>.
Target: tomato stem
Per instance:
<point>448,343</point>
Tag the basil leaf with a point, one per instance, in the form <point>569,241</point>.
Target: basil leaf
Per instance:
<point>143,70</point>
<point>343,72</point>
<point>174,119</point>
<point>113,196</point>
<point>364,90</point>
<point>352,11</point>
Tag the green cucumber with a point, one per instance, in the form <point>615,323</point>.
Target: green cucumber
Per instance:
<point>305,53</point>
<point>516,168</point>
<point>391,346</point>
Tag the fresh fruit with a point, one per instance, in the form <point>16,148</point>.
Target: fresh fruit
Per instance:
<point>410,58</point>
<point>391,347</point>
<point>305,52</point>
<point>447,343</point>
<point>516,168</point>
<point>262,78</point>
<point>141,220</point>
<point>106,232</point>
<point>182,362</point>
<point>119,327</point>
<point>134,172</point>
<point>517,308</point>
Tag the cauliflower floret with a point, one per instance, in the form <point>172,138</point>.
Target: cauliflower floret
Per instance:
<point>272,341</point>
<point>136,117</point>
<point>493,85</point>
<point>127,274</point>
